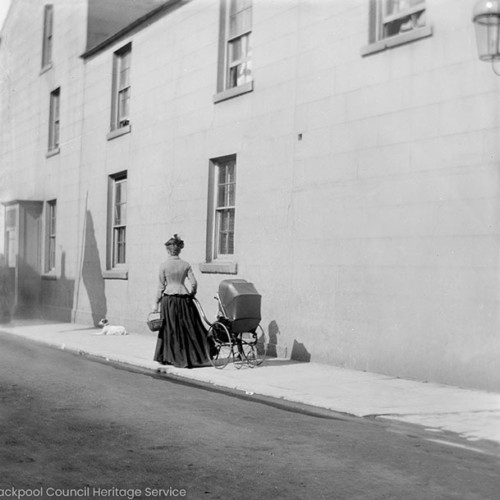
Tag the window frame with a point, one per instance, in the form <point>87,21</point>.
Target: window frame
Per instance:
<point>116,265</point>
<point>54,121</point>
<point>379,20</point>
<point>218,261</point>
<point>223,187</point>
<point>227,40</point>
<point>48,36</point>
<point>11,241</point>
<point>50,236</point>
<point>120,123</point>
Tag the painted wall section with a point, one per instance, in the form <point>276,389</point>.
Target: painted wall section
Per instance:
<point>367,187</point>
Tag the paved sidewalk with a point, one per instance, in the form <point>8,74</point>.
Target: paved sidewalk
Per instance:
<point>473,415</point>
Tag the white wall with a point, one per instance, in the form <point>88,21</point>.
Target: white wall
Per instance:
<point>373,238</point>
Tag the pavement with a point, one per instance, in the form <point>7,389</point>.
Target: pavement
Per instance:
<point>445,414</point>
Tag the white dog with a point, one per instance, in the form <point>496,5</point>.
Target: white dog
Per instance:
<point>108,329</point>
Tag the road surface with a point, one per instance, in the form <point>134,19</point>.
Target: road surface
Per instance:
<point>71,427</point>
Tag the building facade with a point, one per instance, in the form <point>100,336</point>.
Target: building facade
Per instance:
<point>341,155</point>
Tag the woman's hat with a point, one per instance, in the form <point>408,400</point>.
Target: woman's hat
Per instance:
<point>175,241</point>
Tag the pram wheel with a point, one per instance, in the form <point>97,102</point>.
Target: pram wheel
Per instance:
<point>250,348</point>
<point>259,347</point>
<point>219,345</point>
<point>243,350</point>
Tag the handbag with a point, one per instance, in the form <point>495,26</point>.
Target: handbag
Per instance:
<point>154,321</point>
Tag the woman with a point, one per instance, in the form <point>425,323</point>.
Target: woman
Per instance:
<point>182,336</point>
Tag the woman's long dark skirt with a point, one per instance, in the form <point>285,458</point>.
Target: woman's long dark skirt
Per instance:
<point>182,337</point>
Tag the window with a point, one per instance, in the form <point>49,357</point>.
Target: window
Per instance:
<point>54,120</point>
<point>225,208</point>
<point>239,64</point>
<point>11,243</point>
<point>120,106</point>
<point>118,220</point>
<point>235,49</point>
<point>50,254</point>
<point>221,216</point>
<point>48,22</point>
<point>401,16</point>
<point>394,22</point>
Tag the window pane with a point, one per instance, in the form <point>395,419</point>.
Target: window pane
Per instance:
<point>52,218</point>
<point>124,78</point>
<point>230,172</point>
<point>235,50</point>
<point>239,49</point>
<point>52,252</point>
<point>121,191</point>
<point>396,6</point>
<point>117,220</point>
<point>56,134</point>
<point>240,23</point>
<point>226,185</point>
<point>404,24</point>
<point>47,35</point>
<point>49,19</point>
<point>230,194</point>
<point>222,176</point>
<point>120,203</point>
<point>120,218</point>
<point>240,68</point>
<point>123,104</point>
<point>239,5</point>
<point>226,231</point>
<point>125,57</point>
<point>240,74</point>
<point>119,245</point>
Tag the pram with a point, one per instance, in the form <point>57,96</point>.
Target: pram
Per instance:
<point>236,334</point>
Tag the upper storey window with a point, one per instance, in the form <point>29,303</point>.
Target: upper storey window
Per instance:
<point>401,16</point>
<point>54,119</point>
<point>239,51</point>
<point>395,22</point>
<point>48,23</point>
<point>235,74</point>
<point>50,258</point>
<point>120,102</point>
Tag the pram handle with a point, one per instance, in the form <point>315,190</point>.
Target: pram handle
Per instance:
<point>201,311</point>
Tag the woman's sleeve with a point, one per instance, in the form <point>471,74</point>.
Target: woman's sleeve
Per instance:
<point>192,280</point>
<point>162,283</point>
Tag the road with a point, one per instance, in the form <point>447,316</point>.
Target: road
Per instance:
<point>71,427</point>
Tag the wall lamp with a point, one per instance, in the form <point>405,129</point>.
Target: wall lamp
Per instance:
<point>486,19</point>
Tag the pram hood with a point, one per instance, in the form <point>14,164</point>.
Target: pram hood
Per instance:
<point>240,302</point>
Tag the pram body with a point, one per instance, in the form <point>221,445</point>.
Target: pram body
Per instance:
<point>236,334</point>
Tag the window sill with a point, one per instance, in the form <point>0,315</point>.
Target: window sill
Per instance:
<point>219,267</point>
<point>395,41</point>
<point>119,132</point>
<point>115,274</point>
<point>49,277</point>
<point>235,91</point>
<point>52,152</point>
<point>46,68</point>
